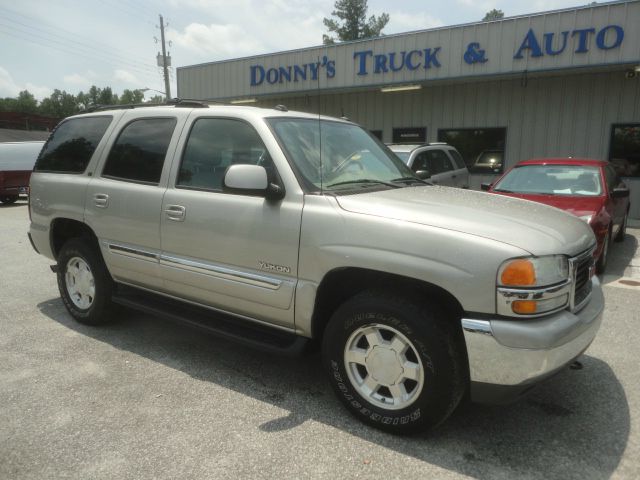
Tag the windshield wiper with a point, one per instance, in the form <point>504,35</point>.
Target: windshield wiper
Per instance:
<point>366,181</point>
<point>411,180</point>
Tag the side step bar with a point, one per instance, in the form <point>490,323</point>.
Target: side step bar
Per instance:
<point>226,326</point>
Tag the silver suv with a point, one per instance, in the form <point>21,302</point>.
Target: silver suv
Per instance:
<point>286,231</point>
<point>441,163</point>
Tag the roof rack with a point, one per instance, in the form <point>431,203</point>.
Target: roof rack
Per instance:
<point>176,102</point>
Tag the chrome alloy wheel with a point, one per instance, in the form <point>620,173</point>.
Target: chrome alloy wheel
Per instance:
<point>384,366</point>
<point>81,285</point>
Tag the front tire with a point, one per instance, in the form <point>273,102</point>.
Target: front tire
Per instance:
<point>394,361</point>
<point>601,264</point>
<point>623,228</point>
<point>84,282</point>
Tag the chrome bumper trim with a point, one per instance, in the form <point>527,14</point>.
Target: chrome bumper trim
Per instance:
<point>522,351</point>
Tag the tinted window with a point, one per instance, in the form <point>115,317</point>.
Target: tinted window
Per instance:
<point>213,145</point>
<point>481,148</point>
<point>72,144</point>
<point>139,152</point>
<point>611,177</point>
<point>434,161</point>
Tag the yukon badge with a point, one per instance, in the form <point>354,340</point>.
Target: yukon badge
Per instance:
<point>274,268</point>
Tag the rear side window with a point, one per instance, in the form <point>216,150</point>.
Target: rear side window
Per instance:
<point>139,152</point>
<point>457,159</point>
<point>72,144</point>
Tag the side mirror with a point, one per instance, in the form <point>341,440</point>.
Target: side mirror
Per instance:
<point>620,193</point>
<point>486,186</point>
<point>251,180</point>
<point>423,174</point>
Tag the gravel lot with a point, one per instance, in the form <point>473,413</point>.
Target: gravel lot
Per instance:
<point>144,398</point>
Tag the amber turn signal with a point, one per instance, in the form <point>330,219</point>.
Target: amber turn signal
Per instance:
<point>524,307</point>
<point>520,272</point>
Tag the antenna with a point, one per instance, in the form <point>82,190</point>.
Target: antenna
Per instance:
<point>320,130</point>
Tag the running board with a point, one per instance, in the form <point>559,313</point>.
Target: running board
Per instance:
<point>226,326</point>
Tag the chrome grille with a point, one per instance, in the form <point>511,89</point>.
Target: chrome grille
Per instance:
<point>581,268</point>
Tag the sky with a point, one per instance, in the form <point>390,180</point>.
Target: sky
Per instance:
<point>73,44</point>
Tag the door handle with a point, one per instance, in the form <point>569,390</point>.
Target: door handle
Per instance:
<point>177,213</point>
<point>101,200</point>
<point>454,176</point>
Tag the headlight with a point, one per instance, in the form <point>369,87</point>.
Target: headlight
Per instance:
<point>533,286</point>
<point>534,271</point>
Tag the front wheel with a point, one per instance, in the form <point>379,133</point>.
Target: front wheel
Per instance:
<point>601,264</point>
<point>623,228</point>
<point>395,362</point>
<point>84,282</point>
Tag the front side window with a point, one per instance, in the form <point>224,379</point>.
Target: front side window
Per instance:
<point>335,156</point>
<point>481,148</point>
<point>576,180</point>
<point>139,152</point>
<point>72,144</point>
<point>213,145</point>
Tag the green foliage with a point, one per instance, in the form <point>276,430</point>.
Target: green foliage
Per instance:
<point>61,104</point>
<point>351,22</point>
<point>493,15</point>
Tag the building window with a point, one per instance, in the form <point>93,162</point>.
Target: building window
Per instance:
<point>377,134</point>
<point>481,148</point>
<point>410,135</point>
<point>624,149</point>
<point>139,152</point>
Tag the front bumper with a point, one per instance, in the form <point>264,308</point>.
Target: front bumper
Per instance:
<point>507,357</point>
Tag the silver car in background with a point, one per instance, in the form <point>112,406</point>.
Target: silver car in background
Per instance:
<point>441,163</point>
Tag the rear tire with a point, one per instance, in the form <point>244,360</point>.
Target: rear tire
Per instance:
<point>84,282</point>
<point>8,199</point>
<point>394,361</point>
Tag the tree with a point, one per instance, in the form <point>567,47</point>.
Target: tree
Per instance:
<point>493,15</point>
<point>352,23</point>
<point>131,97</point>
<point>156,99</point>
<point>26,102</point>
<point>59,104</point>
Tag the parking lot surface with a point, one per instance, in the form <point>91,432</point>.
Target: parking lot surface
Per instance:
<point>144,398</point>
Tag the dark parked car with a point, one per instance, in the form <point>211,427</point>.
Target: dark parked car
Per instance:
<point>16,163</point>
<point>589,189</point>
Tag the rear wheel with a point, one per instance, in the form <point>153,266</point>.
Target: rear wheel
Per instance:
<point>394,362</point>
<point>9,199</point>
<point>84,282</point>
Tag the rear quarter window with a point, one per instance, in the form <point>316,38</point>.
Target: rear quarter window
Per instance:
<point>72,144</point>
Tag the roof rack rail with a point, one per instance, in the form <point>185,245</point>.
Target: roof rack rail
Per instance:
<point>176,102</point>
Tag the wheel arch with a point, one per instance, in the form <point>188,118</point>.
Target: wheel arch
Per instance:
<point>64,229</point>
<point>340,284</point>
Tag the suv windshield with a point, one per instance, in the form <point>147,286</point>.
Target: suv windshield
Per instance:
<point>335,155</point>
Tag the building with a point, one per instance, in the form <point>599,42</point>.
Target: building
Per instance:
<point>559,83</point>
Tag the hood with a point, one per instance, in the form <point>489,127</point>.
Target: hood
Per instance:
<point>533,227</point>
<point>575,205</point>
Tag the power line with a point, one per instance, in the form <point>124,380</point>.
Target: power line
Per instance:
<point>42,26</point>
<point>29,38</point>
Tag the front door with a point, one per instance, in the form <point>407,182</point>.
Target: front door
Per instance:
<point>234,252</point>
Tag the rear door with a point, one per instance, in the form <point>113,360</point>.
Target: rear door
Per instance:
<point>438,164</point>
<point>461,173</point>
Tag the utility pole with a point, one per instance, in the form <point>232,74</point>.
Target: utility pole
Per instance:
<point>165,61</point>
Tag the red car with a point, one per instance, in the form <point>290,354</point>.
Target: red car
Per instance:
<point>589,189</point>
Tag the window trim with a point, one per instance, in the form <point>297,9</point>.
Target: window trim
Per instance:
<point>120,131</point>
